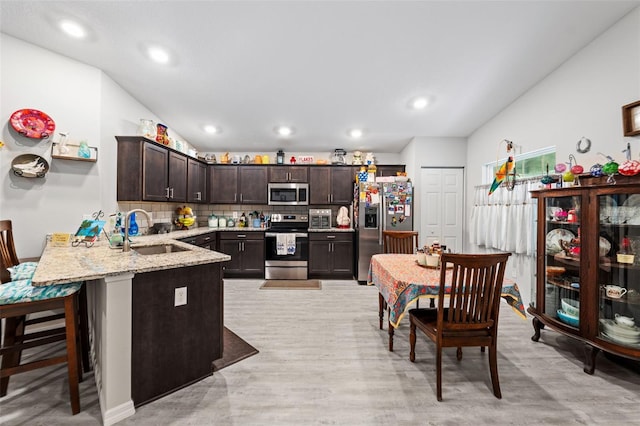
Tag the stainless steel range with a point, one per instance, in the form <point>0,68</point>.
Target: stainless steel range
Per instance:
<point>287,247</point>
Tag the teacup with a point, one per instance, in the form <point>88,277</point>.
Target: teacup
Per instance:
<point>622,320</point>
<point>615,291</point>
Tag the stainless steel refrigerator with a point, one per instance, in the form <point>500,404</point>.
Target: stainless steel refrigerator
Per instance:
<point>381,206</point>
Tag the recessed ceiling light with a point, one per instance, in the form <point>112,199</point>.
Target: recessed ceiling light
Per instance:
<point>419,103</point>
<point>284,130</point>
<point>158,55</point>
<point>211,129</point>
<point>73,29</point>
<point>355,133</point>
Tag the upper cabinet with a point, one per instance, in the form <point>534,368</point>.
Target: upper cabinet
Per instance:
<point>296,174</point>
<point>237,184</point>
<point>588,266</point>
<point>196,181</point>
<point>390,170</point>
<point>331,184</point>
<point>149,172</point>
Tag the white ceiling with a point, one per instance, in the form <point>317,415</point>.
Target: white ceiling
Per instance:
<point>322,66</point>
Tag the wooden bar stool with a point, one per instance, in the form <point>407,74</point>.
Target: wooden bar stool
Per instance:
<point>18,298</point>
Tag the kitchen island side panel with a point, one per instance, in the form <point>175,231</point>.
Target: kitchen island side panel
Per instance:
<point>174,346</point>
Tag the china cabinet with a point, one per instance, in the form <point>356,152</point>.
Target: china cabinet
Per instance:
<point>588,266</point>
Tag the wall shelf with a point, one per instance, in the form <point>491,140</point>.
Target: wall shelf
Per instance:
<point>73,153</point>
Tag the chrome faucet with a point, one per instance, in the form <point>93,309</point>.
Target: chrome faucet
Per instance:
<point>126,246</point>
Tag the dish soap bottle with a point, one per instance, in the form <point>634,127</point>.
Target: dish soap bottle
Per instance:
<point>133,226</point>
<point>243,220</point>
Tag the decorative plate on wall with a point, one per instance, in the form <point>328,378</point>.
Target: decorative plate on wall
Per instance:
<point>32,123</point>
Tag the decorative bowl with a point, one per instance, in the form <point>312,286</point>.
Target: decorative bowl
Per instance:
<point>568,319</point>
<point>571,307</point>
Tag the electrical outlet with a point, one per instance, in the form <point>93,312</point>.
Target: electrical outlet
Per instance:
<point>235,215</point>
<point>180,296</point>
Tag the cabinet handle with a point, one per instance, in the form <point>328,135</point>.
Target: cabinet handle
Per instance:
<point>242,245</point>
<point>199,196</point>
<point>207,238</point>
<point>171,192</point>
<point>241,197</point>
<point>329,198</point>
<point>242,235</point>
<point>331,237</point>
<point>234,197</point>
<point>167,191</point>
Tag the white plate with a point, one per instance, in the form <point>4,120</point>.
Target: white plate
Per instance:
<point>605,246</point>
<point>553,239</point>
<point>614,329</point>
<point>621,340</point>
<point>632,201</point>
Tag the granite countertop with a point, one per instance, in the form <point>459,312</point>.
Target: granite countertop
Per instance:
<point>60,265</point>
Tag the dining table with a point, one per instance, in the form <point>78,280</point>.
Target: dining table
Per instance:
<point>401,281</point>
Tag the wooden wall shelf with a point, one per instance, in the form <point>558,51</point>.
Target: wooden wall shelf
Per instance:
<point>73,153</point>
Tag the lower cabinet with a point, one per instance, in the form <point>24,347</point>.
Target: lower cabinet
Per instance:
<point>247,253</point>
<point>331,255</point>
<point>174,346</point>
<point>207,240</point>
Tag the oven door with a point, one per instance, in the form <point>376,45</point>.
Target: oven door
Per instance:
<point>286,266</point>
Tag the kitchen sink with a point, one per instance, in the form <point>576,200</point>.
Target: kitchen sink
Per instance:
<point>159,249</point>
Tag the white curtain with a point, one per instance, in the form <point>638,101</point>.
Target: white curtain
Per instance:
<point>505,219</point>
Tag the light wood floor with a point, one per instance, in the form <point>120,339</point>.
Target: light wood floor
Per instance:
<point>324,361</point>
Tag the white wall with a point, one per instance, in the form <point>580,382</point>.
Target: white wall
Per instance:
<point>583,97</point>
<point>431,152</point>
<point>81,100</point>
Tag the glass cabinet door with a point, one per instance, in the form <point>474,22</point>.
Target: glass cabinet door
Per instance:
<point>562,259</point>
<point>619,269</point>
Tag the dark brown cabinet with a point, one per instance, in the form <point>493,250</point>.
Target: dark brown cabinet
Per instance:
<point>390,170</point>
<point>230,184</point>
<point>207,240</point>
<point>247,253</point>
<point>296,174</point>
<point>331,184</point>
<point>584,288</point>
<point>196,181</point>
<point>174,346</point>
<point>147,171</point>
<point>331,255</point>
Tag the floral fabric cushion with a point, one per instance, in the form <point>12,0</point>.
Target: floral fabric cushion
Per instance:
<point>21,291</point>
<point>23,271</point>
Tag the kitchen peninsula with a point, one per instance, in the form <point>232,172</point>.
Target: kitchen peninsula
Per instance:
<point>124,290</point>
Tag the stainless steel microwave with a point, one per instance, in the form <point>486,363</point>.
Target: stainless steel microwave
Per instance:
<point>288,194</point>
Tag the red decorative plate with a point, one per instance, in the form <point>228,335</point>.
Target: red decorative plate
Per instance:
<point>32,123</point>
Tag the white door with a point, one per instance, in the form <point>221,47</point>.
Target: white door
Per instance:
<point>442,207</point>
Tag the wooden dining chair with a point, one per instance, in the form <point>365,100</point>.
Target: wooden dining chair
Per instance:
<point>398,242</point>
<point>18,298</point>
<point>405,242</point>
<point>471,317</point>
